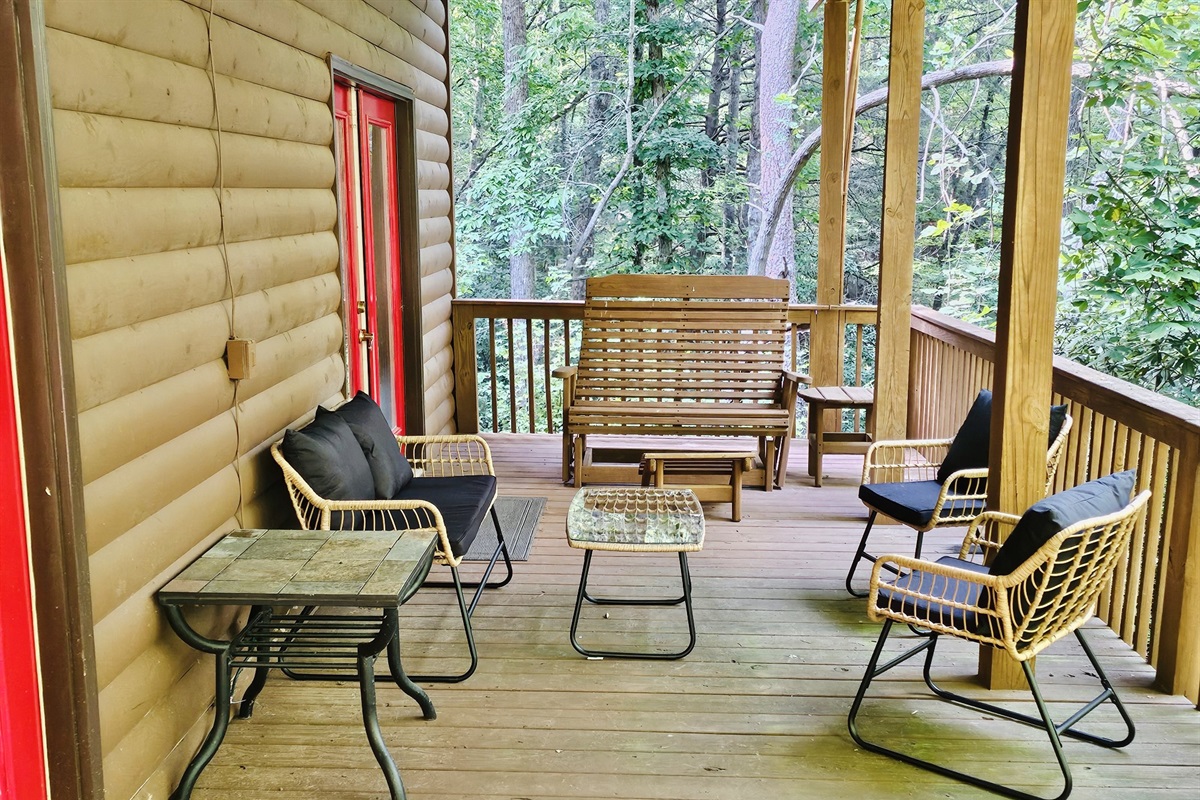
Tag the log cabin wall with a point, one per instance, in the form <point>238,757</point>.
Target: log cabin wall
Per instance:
<point>162,217</point>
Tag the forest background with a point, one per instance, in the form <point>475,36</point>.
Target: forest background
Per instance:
<point>595,136</point>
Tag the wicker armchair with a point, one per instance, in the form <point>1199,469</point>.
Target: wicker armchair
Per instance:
<point>900,480</point>
<point>1045,597</point>
<point>433,459</point>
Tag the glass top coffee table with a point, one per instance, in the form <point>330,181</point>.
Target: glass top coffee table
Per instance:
<point>636,520</point>
<point>266,569</point>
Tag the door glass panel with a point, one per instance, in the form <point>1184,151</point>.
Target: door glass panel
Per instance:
<point>382,214</point>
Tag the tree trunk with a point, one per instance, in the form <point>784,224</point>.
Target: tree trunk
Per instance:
<point>600,75</point>
<point>773,205</point>
<point>732,240</point>
<point>754,208</point>
<point>776,59</point>
<point>516,93</point>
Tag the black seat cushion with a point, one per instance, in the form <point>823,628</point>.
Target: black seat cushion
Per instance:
<point>959,591</point>
<point>390,470</point>
<point>328,457</point>
<point>1044,519</point>
<point>463,501</point>
<point>912,502</point>
<point>969,450</point>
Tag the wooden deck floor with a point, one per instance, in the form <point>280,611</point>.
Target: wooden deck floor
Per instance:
<point>758,710</point>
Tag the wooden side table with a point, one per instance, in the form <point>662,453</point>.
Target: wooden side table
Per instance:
<point>635,520</point>
<point>820,398</point>
<point>680,469</point>
<point>271,568</point>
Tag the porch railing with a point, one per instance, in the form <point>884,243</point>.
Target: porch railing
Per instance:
<point>1154,600</point>
<point>505,351</point>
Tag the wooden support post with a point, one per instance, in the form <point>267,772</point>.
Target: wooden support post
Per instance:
<point>466,399</point>
<point>1037,145</point>
<point>827,343</point>
<point>900,165</point>
<point>1179,642</point>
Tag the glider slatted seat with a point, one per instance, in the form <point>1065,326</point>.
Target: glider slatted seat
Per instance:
<point>673,355</point>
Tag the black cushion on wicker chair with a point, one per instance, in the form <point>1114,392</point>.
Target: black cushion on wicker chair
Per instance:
<point>969,450</point>
<point>329,458</point>
<point>462,500</point>
<point>940,586</point>
<point>1044,519</point>
<point>911,503</point>
<point>390,470</point>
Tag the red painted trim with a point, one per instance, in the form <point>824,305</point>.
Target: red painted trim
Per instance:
<point>22,748</point>
<point>352,220</point>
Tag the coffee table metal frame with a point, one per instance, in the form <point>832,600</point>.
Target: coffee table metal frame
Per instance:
<point>306,640</point>
<point>638,520</point>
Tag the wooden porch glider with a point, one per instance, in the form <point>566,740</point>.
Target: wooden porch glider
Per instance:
<point>674,355</point>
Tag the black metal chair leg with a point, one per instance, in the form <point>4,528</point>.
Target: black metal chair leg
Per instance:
<point>686,599</point>
<point>465,612</point>
<point>1043,721</point>
<point>859,555</point>
<point>1064,728</point>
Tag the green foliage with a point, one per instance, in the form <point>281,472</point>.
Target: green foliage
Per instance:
<point>1131,267</point>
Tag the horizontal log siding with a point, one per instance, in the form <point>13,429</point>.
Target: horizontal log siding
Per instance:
<point>173,454</point>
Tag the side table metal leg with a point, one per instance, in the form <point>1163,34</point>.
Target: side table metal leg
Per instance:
<point>686,574</point>
<point>246,709</point>
<point>686,599</point>
<point>587,563</point>
<point>220,725</point>
<point>401,677</point>
<point>366,689</point>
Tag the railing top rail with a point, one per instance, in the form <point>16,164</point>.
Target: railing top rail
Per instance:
<point>798,313</point>
<point>1160,417</point>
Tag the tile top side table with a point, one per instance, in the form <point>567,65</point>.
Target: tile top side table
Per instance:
<point>283,568</point>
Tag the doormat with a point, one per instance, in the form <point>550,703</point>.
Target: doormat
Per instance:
<point>519,520</point>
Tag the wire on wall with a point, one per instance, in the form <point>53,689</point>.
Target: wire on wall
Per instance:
<point>223,250</point>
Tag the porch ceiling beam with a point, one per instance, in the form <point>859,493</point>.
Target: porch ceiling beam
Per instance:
<point>900,164</point>
<point>1029,252</point>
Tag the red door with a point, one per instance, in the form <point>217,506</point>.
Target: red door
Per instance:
<point>22,749</point>
<point>366,146</point>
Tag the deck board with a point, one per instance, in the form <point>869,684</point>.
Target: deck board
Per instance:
<point>758,710</point>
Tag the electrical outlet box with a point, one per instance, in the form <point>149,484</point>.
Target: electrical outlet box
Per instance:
<point>239,358</point>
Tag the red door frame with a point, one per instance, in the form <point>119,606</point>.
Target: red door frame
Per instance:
<point>380,112</point>
<point>356,109</point>
<point>22,744</point>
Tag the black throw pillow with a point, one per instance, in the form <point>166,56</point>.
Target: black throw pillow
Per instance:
<point>1046,518</point>
<point>390,470</point>
<point>328,457</point>
<point>1058,416</point>
<point>969,450</point>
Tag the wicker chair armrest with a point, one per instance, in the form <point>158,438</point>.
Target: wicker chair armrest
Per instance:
<point>448,455</point>
<point>985,535</point>
<point>892,461</point>
<point>902,584</point>
<point>380,515</point>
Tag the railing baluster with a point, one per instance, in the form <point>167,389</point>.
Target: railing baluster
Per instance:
<point>546,375</point>
<point>495,387</point>
<point>512,381</point>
